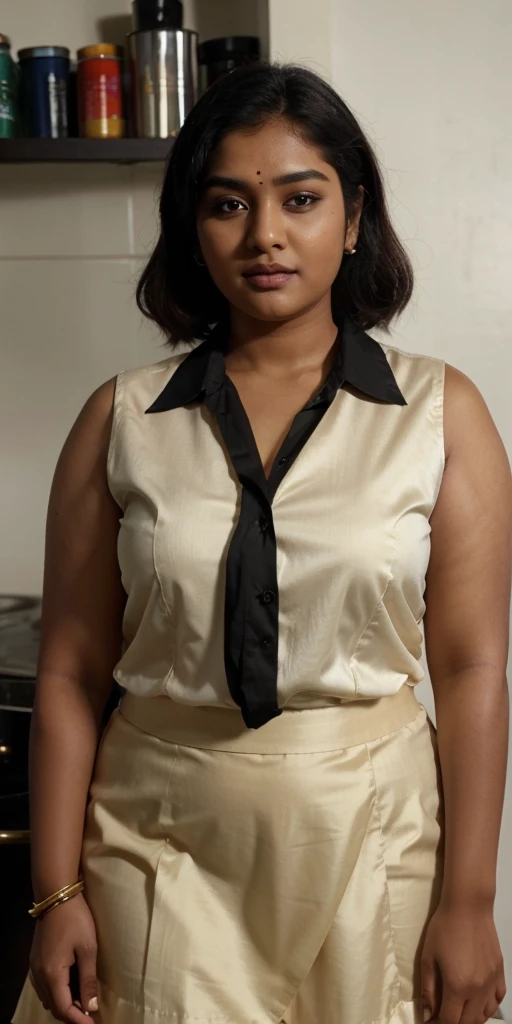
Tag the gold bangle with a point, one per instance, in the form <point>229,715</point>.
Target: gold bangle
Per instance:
<point>57,897</point>
<point>57,903</point>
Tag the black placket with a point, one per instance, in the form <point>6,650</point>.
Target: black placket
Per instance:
<point>251,607</point>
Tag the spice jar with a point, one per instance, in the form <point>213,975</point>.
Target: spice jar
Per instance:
<point>7,90</point>
<point>43,80</point>
<point>100,96</point>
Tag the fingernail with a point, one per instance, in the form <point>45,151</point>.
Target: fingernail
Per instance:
<point>426,1014</point>
<point>93,1004</point>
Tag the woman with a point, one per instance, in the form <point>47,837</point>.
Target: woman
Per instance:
<point>240,534</point>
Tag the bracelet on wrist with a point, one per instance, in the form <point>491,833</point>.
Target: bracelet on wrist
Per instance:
<point>61,896</point>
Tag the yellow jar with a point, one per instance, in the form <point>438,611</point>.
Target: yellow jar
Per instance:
<point>100,95</point>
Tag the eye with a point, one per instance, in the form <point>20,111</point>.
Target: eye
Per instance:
<point>219,206</point>
<point>310,199</point>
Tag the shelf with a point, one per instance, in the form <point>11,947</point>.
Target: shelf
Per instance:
<point>115,151</point>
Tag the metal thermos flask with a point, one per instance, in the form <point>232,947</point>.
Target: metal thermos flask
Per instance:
<point>164,80</point>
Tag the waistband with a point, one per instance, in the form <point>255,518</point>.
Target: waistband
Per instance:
<point>307,730</point>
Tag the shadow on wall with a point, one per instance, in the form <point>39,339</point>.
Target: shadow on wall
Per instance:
<point>232,18</point>
<point>114,29</point>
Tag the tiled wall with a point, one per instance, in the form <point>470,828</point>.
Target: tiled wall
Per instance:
<point>73,239</point>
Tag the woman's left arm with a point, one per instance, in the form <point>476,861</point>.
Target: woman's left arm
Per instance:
<point>466,639</point>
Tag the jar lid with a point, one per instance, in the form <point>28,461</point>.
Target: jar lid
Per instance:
<point>4,40</point>
<point>43,51</point>
<point>99,50</point>
<point>155,14</point>
<point>213,50</point>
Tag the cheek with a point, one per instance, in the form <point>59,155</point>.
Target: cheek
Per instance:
<point>320,241</point>
<point>325,221</point>
<point>218,246</point>
<point>218,252</point>
<point>217,237</point>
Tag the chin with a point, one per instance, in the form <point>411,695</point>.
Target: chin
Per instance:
<point>272,308</point>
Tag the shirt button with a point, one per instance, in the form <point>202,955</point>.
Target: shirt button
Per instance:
<point>263,525</point>
<point>268,596</point>
<point>266,642</point>
<point>283,460</point>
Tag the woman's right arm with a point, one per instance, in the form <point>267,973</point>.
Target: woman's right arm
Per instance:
<point>81,638</point>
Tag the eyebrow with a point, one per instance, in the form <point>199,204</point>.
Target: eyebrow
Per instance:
<point>283,179</point>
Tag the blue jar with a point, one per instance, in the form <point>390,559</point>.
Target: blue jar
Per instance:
<point>44,74</point>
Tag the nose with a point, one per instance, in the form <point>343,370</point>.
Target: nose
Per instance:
<point>266,227</point>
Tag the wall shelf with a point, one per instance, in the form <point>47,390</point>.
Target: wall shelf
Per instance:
<point>116,151</point>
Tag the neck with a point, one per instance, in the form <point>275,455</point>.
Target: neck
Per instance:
<point>281,347</point>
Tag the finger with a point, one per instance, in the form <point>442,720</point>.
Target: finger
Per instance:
<point>45,997</point>
<point>452,1006</point>
<point>428,988</point>
<point>490,1008</point>
<point>439,992</point>
<point>40,990</point>
<point>501,988</point>
<point>474,1009</point>
<point>86,961</point>
<point>60,995</point>
<point>39,985</point>
<point>77,1016</point>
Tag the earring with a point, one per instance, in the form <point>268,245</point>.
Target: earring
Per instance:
<point>199,261</point>
<point>350,252</point>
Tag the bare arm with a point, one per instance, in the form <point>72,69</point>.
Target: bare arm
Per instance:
<point>83,602</point>
<point>466,634</point>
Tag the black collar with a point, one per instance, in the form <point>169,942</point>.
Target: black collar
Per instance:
<point>360,361</point>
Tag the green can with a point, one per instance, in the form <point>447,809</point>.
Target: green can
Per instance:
<point>8,90</point>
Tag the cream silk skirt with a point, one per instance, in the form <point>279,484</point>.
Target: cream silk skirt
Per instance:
<point>243,876</point>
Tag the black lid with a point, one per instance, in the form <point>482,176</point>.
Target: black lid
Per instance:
<point>155,14</point>
<point>213,50</point>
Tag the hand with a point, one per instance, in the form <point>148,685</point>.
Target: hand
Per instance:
<point>463,979</point>
<point>67,933</point>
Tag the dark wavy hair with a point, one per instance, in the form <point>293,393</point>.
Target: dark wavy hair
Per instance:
<point>373,286</point>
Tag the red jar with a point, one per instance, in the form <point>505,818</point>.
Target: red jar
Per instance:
<point>100,97</point>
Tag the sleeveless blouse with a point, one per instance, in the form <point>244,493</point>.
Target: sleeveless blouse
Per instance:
<point>300,592</point>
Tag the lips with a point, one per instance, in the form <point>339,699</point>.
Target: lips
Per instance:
<point>260,270</point>
<point>270,276</point>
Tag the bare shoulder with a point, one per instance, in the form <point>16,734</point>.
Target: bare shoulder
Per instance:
<point>87,442</point>
<point>468,423</point>
<point>97,411</point>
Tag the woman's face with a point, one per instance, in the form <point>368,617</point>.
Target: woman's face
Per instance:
<point>252,214</point>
